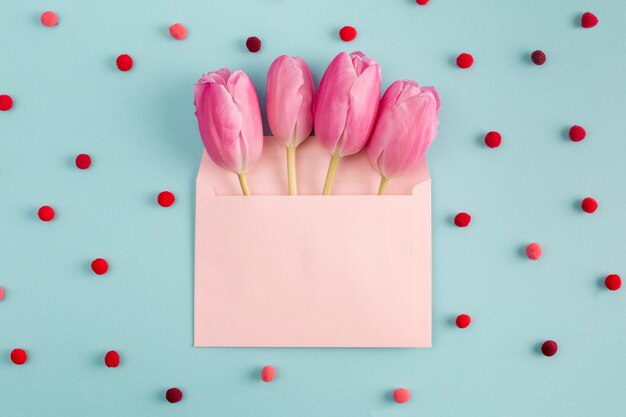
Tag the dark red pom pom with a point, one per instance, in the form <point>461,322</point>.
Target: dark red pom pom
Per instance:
<point>347,33</point>
<point>268,373</point>
<point>538,57</point>
<point>464,60</point>
<point>463,320</point>
<point>253,44</point>
<point>124,62</point>
<point>577,133</point>
<point>6,102</point>
<point>173,395</point>
<point>589,205</point>
<point>613,282</point>
<point>46,213</point>
<point>83,161</point>
<point>99,266</point>
<point>588,20</point>
<point>401,395</point>
<point>112,359</point>
<point>462,219</point>
<point>422,2</point>
<point>19,356</point>
<point>166,198</point>
<point>493,139</point>
<point>549,348</point>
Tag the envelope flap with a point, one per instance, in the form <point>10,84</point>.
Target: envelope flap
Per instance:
<point>355,175</point>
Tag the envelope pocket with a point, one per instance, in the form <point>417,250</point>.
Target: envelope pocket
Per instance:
<point>350,271</point>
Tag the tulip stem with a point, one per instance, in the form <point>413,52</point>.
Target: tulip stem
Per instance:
<point>384,182</point>
<point>291,170</point>
<point>330,177</point>
<point>244,183</point>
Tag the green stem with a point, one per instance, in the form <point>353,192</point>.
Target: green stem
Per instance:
<point>384,181</point>
<point>330,177</point>
<point>291,170</point>
<point>243,181</point>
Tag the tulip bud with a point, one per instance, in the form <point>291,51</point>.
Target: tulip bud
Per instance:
<point>229,119</point>
<point>290,97</point>
<point>405,127</point>
<point>346,105</point>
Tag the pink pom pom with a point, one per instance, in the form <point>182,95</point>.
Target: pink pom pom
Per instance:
<point>533,251</point>
<point>46,213</point>
<point>589,205</point>
<point>178,31</point>
<point>493,139</point>
<point>6,102</point>
<point>401,395</point>
<point>462,219</point>
<point>268,373</point>
<point>19,356</point>
<point>83,161</point>
<point>464,60</point>
<point>577,133</point>
<point>49,19</point>
<point>1,293</point>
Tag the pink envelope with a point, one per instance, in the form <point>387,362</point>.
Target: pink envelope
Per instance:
<point>348,270</point>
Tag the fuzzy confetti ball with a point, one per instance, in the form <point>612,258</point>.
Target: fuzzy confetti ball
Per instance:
<point>19,356</point>
<point>178,31</point>
<point>549,348</point>
<point>46,213</point>
<point>49,19</point>
<point>124,62</point>
<point>253,44</point>
<point>6,102</point>
<point>462,219</point>
<point>173,395</point>
<point>99,266</point>
<point>268,373</point>
<point>347,33</point>
<point>112,359</point>
<point>463,321</point>
<point>534,251</point>
<point>401,395</point>
<point>464,60</point>
<point>613,282</point>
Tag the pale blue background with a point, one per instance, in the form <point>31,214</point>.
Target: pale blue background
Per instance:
<point>140,129</point>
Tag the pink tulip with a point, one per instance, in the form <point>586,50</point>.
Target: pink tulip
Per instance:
<point>405,128</point>
<point>290,97</point>
<point>346,105</point>
<point>229,119</point>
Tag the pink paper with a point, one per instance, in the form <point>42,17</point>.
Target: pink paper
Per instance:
<point>348,270</point>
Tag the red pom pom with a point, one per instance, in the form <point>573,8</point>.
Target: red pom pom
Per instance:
<point>173,395</point>
<point>577,133</point>
<point>124,62</point>
<point>268,373</point>
<point>464,60</point>
<point>178,31</point>
<point>6,102</point>
<point>533,251</point>
<point>49,19</point>
<point>46,213</point>
<point>549,348</point>
<point>83,161</point>
<point>253,44</point>
<point>112,359</point>
<point>588,20</point>
<point>493,139</point>
<point>401,395</point>
<point>1,293</point>
<point>19,356</point>
<point>613,282</point>
<point>462,219</point>
<point>421,2</point>
<point>166,198</point>
<point>100,266</point>
<point>589,205</point>
<point>463,320</point>
<point>347,33</point>
<point>538,57</point>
